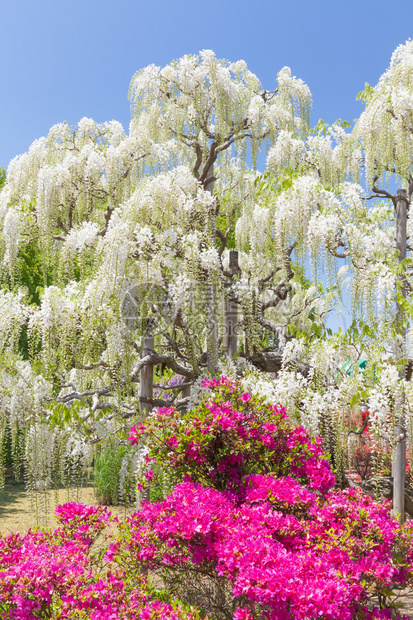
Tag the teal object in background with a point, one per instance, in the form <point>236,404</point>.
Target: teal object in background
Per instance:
<point>348,367</point>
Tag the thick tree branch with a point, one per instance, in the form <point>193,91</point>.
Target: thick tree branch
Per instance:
<point>198,151</point>
<point>180,404</point>
<point>267,279</point>
<point>223,238</point>
<point>339,243</point>
<point>158,358</point>
<point>382,193</point>
<point>282,289</point>
<point>270,361</point>
<point>208,164</point>
<point>92,366</point>
<point>62,226</point>
<point>174,346</point>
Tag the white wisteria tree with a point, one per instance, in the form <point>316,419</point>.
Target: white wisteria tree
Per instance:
<point>107,238</point>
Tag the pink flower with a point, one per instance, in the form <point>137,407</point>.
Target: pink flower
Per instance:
<point>165,411</point>
<point>242,613</point>
<point>172,442</point>
<point>245,398</point>
<point>135,433</point>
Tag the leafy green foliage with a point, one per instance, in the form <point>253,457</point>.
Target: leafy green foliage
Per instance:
<point>107,475</point>
<point>321,128</point>
<point>31,271</point>
<point>223,439</point>
<point>366,94</point>
<point>267,185</point>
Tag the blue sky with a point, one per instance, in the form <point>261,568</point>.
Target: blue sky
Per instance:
<point>62,60</point>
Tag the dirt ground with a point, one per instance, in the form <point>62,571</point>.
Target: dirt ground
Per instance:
<point>17,513</point>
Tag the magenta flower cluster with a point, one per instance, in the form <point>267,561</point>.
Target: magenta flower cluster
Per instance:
<point>252,508</point>
<point>228,436</point>
<point>55,575</point>
<point>282,552</point>
<point>251,530</point>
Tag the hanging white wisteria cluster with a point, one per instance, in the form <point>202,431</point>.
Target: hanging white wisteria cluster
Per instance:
<point>384,130</point>
<point>104,234</point>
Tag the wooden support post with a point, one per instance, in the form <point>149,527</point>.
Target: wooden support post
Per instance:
<point>231,310</point>
<point>146,385</point>
<point>399,459</point>
<point>212,323</point>
<point>212,327</point>
<point>186,392</point>
<point>146,378</point>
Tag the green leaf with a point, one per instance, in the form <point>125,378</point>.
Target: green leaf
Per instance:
<point>366,94</point>
<point>342,124</point>
<point>320,128</point>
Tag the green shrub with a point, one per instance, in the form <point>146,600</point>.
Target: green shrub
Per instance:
<point>114,475</point>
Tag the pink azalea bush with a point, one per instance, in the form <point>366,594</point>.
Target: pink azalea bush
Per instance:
<point>229,435</point>
<point>56,575</point>
<point>252,526</point>
<point>282,552</point>
<point>252,530</point>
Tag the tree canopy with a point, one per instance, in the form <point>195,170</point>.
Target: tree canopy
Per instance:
<point>104,234</point>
